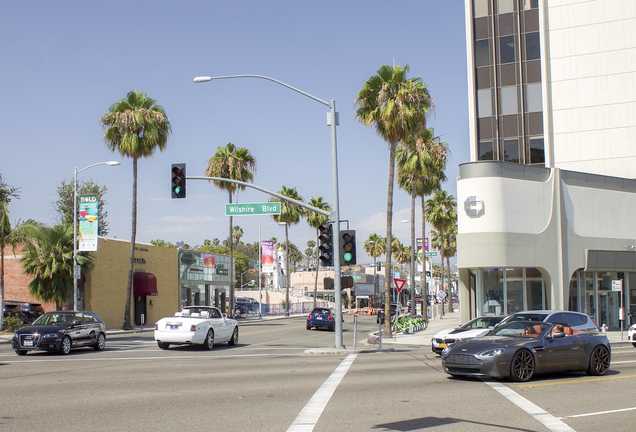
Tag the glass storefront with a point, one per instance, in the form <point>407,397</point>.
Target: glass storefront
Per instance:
<point>592,294</point>
<point>509,290</point>
<point>204,279</point>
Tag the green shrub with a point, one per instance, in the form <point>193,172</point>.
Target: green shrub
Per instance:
<point>12,322</point>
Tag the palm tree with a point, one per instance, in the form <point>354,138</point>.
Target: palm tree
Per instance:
<point>315,220</point>
<point>397,107</point>
<point>49,260</point>
<point>375,246</point>
<point>290,213</point>
<point>421,161</point>
<point>237,233</point>
<point>441,212</point>
<point>135,127</point>
<point>234,163</point>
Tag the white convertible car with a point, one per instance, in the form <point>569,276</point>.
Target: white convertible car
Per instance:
<point>471,329</point>
<point>196,325</point>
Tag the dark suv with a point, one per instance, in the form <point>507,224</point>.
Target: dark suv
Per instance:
<point>28,312</point>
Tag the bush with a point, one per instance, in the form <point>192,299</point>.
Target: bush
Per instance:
<point>12,322</point>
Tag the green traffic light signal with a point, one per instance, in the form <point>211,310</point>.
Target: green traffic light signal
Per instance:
<point>178,181</point>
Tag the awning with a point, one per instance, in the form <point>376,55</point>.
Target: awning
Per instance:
<point>144,284</point>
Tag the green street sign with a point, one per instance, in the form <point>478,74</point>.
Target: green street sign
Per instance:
<point>431,254</point>
<point>270,208</point>
<point>357,277</point>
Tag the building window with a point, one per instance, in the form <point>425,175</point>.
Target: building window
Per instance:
<point>505,6</point>
<point>482,8</point>
<point>533,50</point>
<point>484,77</point>
<point>485,151</point>
<point>511,150</point>
<point>533,98</point>
<point>486,128</point>
<point>530,4</point>
<point>537,155</point>
<point>492,302</point>
<point>482,53</point>
<point>509,104</point>
<point>507,51</point>
<point>506,24</point>
<point>484,103</point>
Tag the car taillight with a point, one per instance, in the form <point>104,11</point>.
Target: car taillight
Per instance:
<point>330,319</point>
<point>309,317</point>
<point>193,327</point>
<point>157,326</point>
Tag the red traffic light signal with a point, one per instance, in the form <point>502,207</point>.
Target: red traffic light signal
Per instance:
<point>325,246</point>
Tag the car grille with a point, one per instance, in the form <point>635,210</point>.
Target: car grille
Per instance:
<point>450,341</point>
<point>462,359</point>
<point>34,338</point>
<point>462,370</point>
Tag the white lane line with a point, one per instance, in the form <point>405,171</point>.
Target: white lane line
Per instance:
<point>539,414</point>
<point>309,415</point>
<point>598,413</point>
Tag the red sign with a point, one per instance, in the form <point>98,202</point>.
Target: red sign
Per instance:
<point>399,284</point>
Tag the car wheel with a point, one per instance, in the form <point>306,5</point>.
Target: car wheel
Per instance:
<point>65,346</point>
<point>599,361</point>
<point>522,366</point>
<point>101,342</point>
<point>308,327</point>
<point>332,328</point>
<point>234,340</point>
<point>208,344</point>
<point>20,352</point>
<point>634,344</point>
<point>163,345</point>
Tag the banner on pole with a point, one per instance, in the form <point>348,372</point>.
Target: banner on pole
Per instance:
<point>267,253</point>
<point>88,223</point>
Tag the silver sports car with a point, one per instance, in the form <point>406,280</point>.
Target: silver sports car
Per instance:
<point>521,349</point>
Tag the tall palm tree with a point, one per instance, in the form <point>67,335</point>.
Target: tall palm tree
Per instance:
<point>49,260</point>
<point>237,233</point>
<point>314,220</point>
<point>234,163</point>
<point>397,107</point>
<point>290,213</point>
<point>421,161</point>
<point>375,246</point>
<point>135,127</point>
<point>441,212</point>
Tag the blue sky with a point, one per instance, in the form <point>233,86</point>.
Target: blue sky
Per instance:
<point>64,63</point>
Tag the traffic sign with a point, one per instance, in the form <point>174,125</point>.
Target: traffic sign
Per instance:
<point>441,295</point>
<point>399,284</point>
<point>431,254</point>
<point>270,208</point>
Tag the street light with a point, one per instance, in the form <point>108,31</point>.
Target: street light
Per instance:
<point>260,264</point>
<point>335,214</point>
<point>75,271</point>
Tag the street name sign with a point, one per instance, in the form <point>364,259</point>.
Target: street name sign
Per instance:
<point>431,254</point>
<point>270,208</point>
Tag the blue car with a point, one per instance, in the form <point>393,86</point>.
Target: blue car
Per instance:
<point>322,318</point>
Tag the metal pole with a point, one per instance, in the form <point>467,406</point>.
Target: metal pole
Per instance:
<point>336,216</point>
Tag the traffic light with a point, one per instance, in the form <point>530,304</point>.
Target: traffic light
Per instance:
<point>328,283</point>
<point>178,180</point>
<point>325,246</point>
<point>346,282</point>
<point>347,247</point>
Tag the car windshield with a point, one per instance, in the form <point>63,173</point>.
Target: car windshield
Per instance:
<point>321,311</point>
<point>60,319</point>
<point>527,317</point>
<point>520,329</point>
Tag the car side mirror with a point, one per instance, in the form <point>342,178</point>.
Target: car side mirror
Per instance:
<point>558,335</point>
<point>224,316</point>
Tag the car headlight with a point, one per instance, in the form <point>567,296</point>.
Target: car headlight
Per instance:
<point>446,351</point>
<point>50,335</point>
<point>491,352</point>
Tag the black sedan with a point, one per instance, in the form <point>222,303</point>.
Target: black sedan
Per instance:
<point>519,350</point>
<point>60,332</point>
<point>322,318</point>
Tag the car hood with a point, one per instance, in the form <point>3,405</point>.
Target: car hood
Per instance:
<point>475,346</point>
<point>42,329</point>
<point>468,333</point>
<point>440,334</point>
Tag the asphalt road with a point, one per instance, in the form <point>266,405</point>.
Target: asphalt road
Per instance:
<point>270,383</point>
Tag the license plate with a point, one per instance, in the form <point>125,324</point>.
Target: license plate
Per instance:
<point>319,318</point>
<point>28,343</point>
<point>442,345</point>
<point>174,327</point>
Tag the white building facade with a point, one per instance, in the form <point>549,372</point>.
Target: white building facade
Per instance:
<point>549,196</point>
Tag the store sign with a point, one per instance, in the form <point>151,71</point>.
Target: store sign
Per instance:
<point>617,285</point>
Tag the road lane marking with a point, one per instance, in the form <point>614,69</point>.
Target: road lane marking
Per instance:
<point>573,381</point>
<point>599,413</point>
<point>548,420</point>
<point>309,415</point>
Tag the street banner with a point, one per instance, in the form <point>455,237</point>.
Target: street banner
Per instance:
<point>267,253</point>
<point>419,248</point>
<point>88,223</point>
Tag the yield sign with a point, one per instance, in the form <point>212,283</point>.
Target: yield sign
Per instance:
<point>399,284</point>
